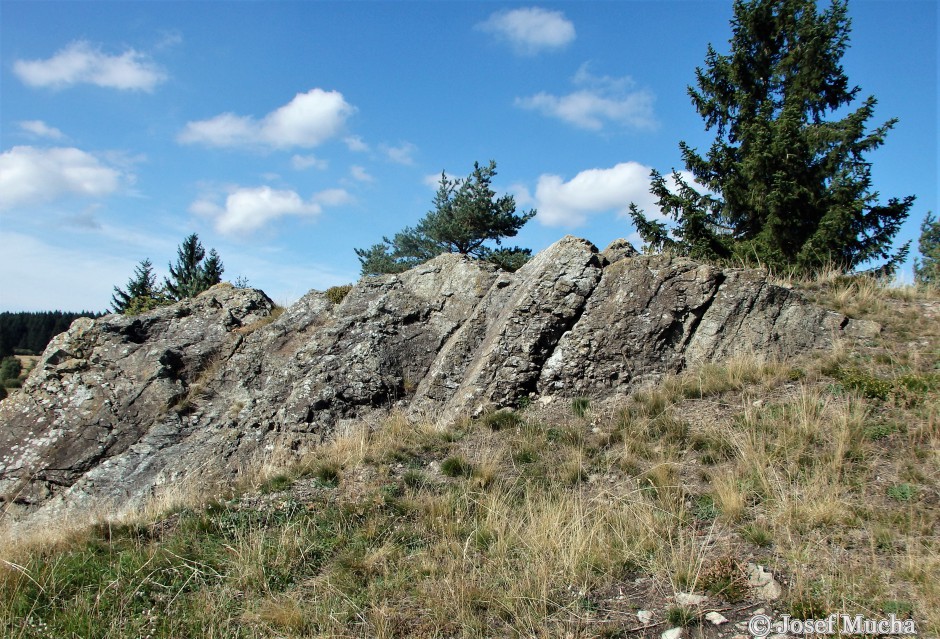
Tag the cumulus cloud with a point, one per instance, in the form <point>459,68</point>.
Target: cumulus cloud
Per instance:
<point>30,176</point>
<point>569,204</point>
<point>248,209</point>
<point>530,30</point>
<point>599,101</point>
<point>41,129</point>
<point>83,63</point>
<point>308,120</point>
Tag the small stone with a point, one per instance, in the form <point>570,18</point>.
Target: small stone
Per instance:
<point>716,618</point>
<point>673,633</point>
<point>763,582</point>
<point>689,599</point>
<point>645,616</point>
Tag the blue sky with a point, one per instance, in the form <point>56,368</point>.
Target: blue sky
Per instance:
<point>286,134</point>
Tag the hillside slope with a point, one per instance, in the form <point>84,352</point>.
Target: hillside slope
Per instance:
<point>122,409</point>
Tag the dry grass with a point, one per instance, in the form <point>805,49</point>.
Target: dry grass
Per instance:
<point>556,522</point>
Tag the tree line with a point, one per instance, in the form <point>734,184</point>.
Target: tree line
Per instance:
<point>28,333</point>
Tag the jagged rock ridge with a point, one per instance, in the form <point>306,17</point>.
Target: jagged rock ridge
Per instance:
<point>120,408</point>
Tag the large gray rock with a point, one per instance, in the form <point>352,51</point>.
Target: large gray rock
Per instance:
<point>124,408</point>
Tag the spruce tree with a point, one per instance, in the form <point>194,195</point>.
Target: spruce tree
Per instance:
<point>190,276</point>
<point>143,284</point>
<point>785,185</point>
<point>927,272</point>
<point>467,215</point>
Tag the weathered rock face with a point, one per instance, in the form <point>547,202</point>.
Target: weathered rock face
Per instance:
<point>120,408</point>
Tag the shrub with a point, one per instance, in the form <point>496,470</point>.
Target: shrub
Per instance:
<point>337,294</point>
<point>456,467</point>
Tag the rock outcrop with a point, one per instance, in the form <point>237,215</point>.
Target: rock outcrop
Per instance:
<point>120,408</point>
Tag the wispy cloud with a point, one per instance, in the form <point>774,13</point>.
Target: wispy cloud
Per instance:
<point>359,174</point>
<point>308,120</point>
<point>598,102</point>
<point>248,209</point>
<point>41,129</point>
<point>401,154</point>
<point>30,176</point>
<point>84,63</point>
<point>75,276</point>
<point>301,162</point>
<point>593,191</point>
<point>356,144</point>
<point>531,30</point>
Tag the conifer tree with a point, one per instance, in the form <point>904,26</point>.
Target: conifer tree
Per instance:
<point>927,272</point>
<point>190,276</point>
<point>143,284</point>
<point>466,216</point>
<point>785,186</point>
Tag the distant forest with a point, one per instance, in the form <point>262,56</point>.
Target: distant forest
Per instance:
<point>29,333</point>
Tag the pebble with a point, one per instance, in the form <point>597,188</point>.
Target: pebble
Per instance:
<point>716,618</point>
<point>689,599</point>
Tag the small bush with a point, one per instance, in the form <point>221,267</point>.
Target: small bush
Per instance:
<point>456,467</point>
<point>902,492</point>
<point>327,473</point>
<point>337,294</point>
<point>726,579</point>
<point>757,534</point>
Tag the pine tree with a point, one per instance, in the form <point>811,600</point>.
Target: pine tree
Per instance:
<point>928,271</point>
<point>190,276</point>
<point>143,284</point>
<point>211,270</point>
<point>785,186</point>
<point>466,215</point>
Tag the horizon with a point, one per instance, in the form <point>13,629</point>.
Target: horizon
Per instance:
<point>288,134</point>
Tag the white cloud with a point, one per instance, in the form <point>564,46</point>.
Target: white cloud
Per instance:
<point>333,197</point>
<point>41,129</point>
<point>401,154</point>
<point>249,209</point>
<point>603,100</point>
<point>530,30</point>
<point>301,162</point>
<point>30,176</point>
<point>356,144</point>
<point>83,63</point>
<point>360,174</point>
<point>308,120</point>
<point>594,191</point>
